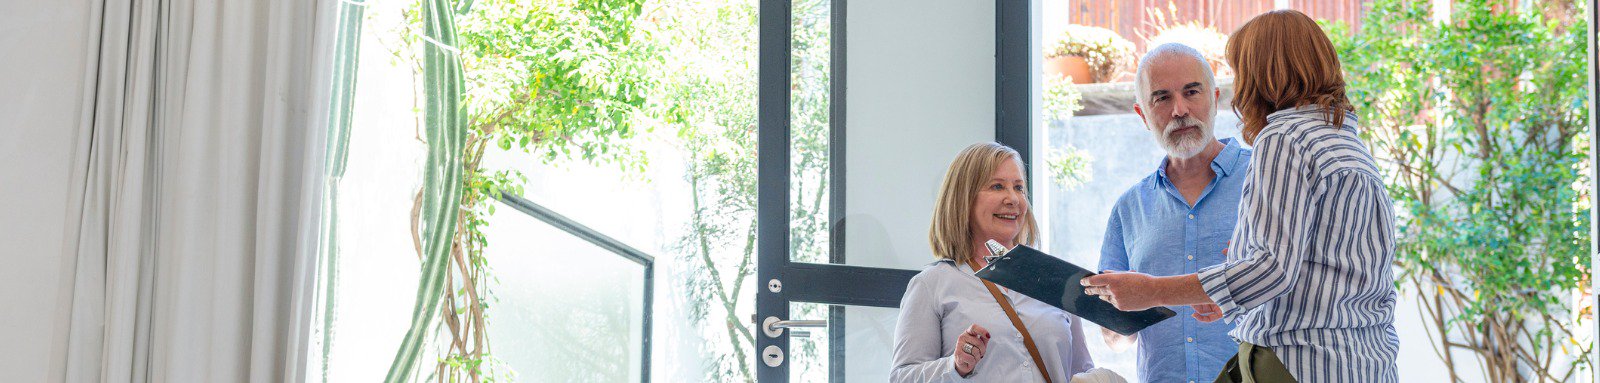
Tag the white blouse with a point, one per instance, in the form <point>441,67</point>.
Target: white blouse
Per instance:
<point>945,298</point>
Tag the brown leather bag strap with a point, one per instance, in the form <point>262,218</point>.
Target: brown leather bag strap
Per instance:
<point>1027,340</point>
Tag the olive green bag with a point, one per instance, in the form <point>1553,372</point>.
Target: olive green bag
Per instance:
<point>1254,364</point>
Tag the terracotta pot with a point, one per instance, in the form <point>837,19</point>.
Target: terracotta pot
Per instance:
<point>1069,66</point>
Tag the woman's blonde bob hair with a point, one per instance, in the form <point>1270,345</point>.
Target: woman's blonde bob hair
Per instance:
<point>950,235</point>
<point>1281,60</point>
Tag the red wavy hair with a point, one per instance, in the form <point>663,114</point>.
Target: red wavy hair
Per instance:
<point>1281,60</point>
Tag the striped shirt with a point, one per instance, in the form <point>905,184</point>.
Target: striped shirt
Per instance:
<point>1309,270</point>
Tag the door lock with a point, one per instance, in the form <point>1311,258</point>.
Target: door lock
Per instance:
<point>772,356</point>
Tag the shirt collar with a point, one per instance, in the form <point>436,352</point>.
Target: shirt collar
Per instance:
<point>1350,118</point>
<point>1224,163</point>
<point>1297,109</point>
<point>964,269</point>
<point>1228,159</point>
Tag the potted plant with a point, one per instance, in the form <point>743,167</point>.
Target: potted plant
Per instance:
<point>1088,54</point>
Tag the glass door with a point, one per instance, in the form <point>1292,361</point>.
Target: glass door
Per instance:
<point>862,107</point>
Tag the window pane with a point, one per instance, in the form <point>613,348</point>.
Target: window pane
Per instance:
<point>864,353</point>
<point>910,105</point>
<point>808,347</point>
<point>563,310</point>
<point>809,147</point>
<point>920,88</point>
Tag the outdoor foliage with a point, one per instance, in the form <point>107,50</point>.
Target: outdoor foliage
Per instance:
<point>1480,120</point>
<point>1166,26</point>
<point>573,80</point>
<point>708,96</point>
<point>1069,166</point>
<point>709,100</point>
<point>435,222</point>
<point>1061,99</point>
<point>562,79</point>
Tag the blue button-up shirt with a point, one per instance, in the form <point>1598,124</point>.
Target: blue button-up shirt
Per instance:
<point>1153,230</point>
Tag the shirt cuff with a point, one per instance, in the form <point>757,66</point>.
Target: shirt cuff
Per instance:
<point>955,376</point>
<point>1214,280</point>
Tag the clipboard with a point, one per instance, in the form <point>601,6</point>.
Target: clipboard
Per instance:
<point>1055,281</point>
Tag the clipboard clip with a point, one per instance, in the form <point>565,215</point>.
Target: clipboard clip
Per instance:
<point>996,250</point>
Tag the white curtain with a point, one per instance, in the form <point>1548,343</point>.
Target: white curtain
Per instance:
<point>192,227</point>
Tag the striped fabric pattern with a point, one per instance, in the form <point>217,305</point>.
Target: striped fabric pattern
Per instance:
<point>1309,269</point>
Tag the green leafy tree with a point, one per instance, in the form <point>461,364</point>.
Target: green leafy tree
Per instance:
<point>1481,122</point>
<point>708,96</point>
<point>562,79</point>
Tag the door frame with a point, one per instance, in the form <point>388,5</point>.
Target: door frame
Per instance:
<point>836,283</point>
<point>1594,174</point>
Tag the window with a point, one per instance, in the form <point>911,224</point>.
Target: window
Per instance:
<point>622,250</point>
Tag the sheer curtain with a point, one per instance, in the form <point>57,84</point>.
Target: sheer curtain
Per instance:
<point>197,177</point>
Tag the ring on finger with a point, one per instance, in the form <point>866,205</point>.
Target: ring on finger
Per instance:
<point>966,347</point>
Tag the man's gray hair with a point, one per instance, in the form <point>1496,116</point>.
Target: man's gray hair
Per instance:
<point>1163,52</point>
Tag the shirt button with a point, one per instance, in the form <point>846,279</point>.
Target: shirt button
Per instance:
<point>1191,257</point>
<point>1191,339</point>
<point>1191,216</point>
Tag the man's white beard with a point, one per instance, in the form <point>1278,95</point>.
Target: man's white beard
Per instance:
<point>1190,144</point>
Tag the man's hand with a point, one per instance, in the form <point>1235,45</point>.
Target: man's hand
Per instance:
<point>1128,291</point>
<point>1207,313</point>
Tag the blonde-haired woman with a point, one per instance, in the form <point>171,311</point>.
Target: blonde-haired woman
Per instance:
<point>951,326</point>
<point>1307,282</point>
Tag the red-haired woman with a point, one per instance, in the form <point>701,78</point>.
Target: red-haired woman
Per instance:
<point>1307,282</point>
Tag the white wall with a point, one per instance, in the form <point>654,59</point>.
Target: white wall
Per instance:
<point>41,88</point>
